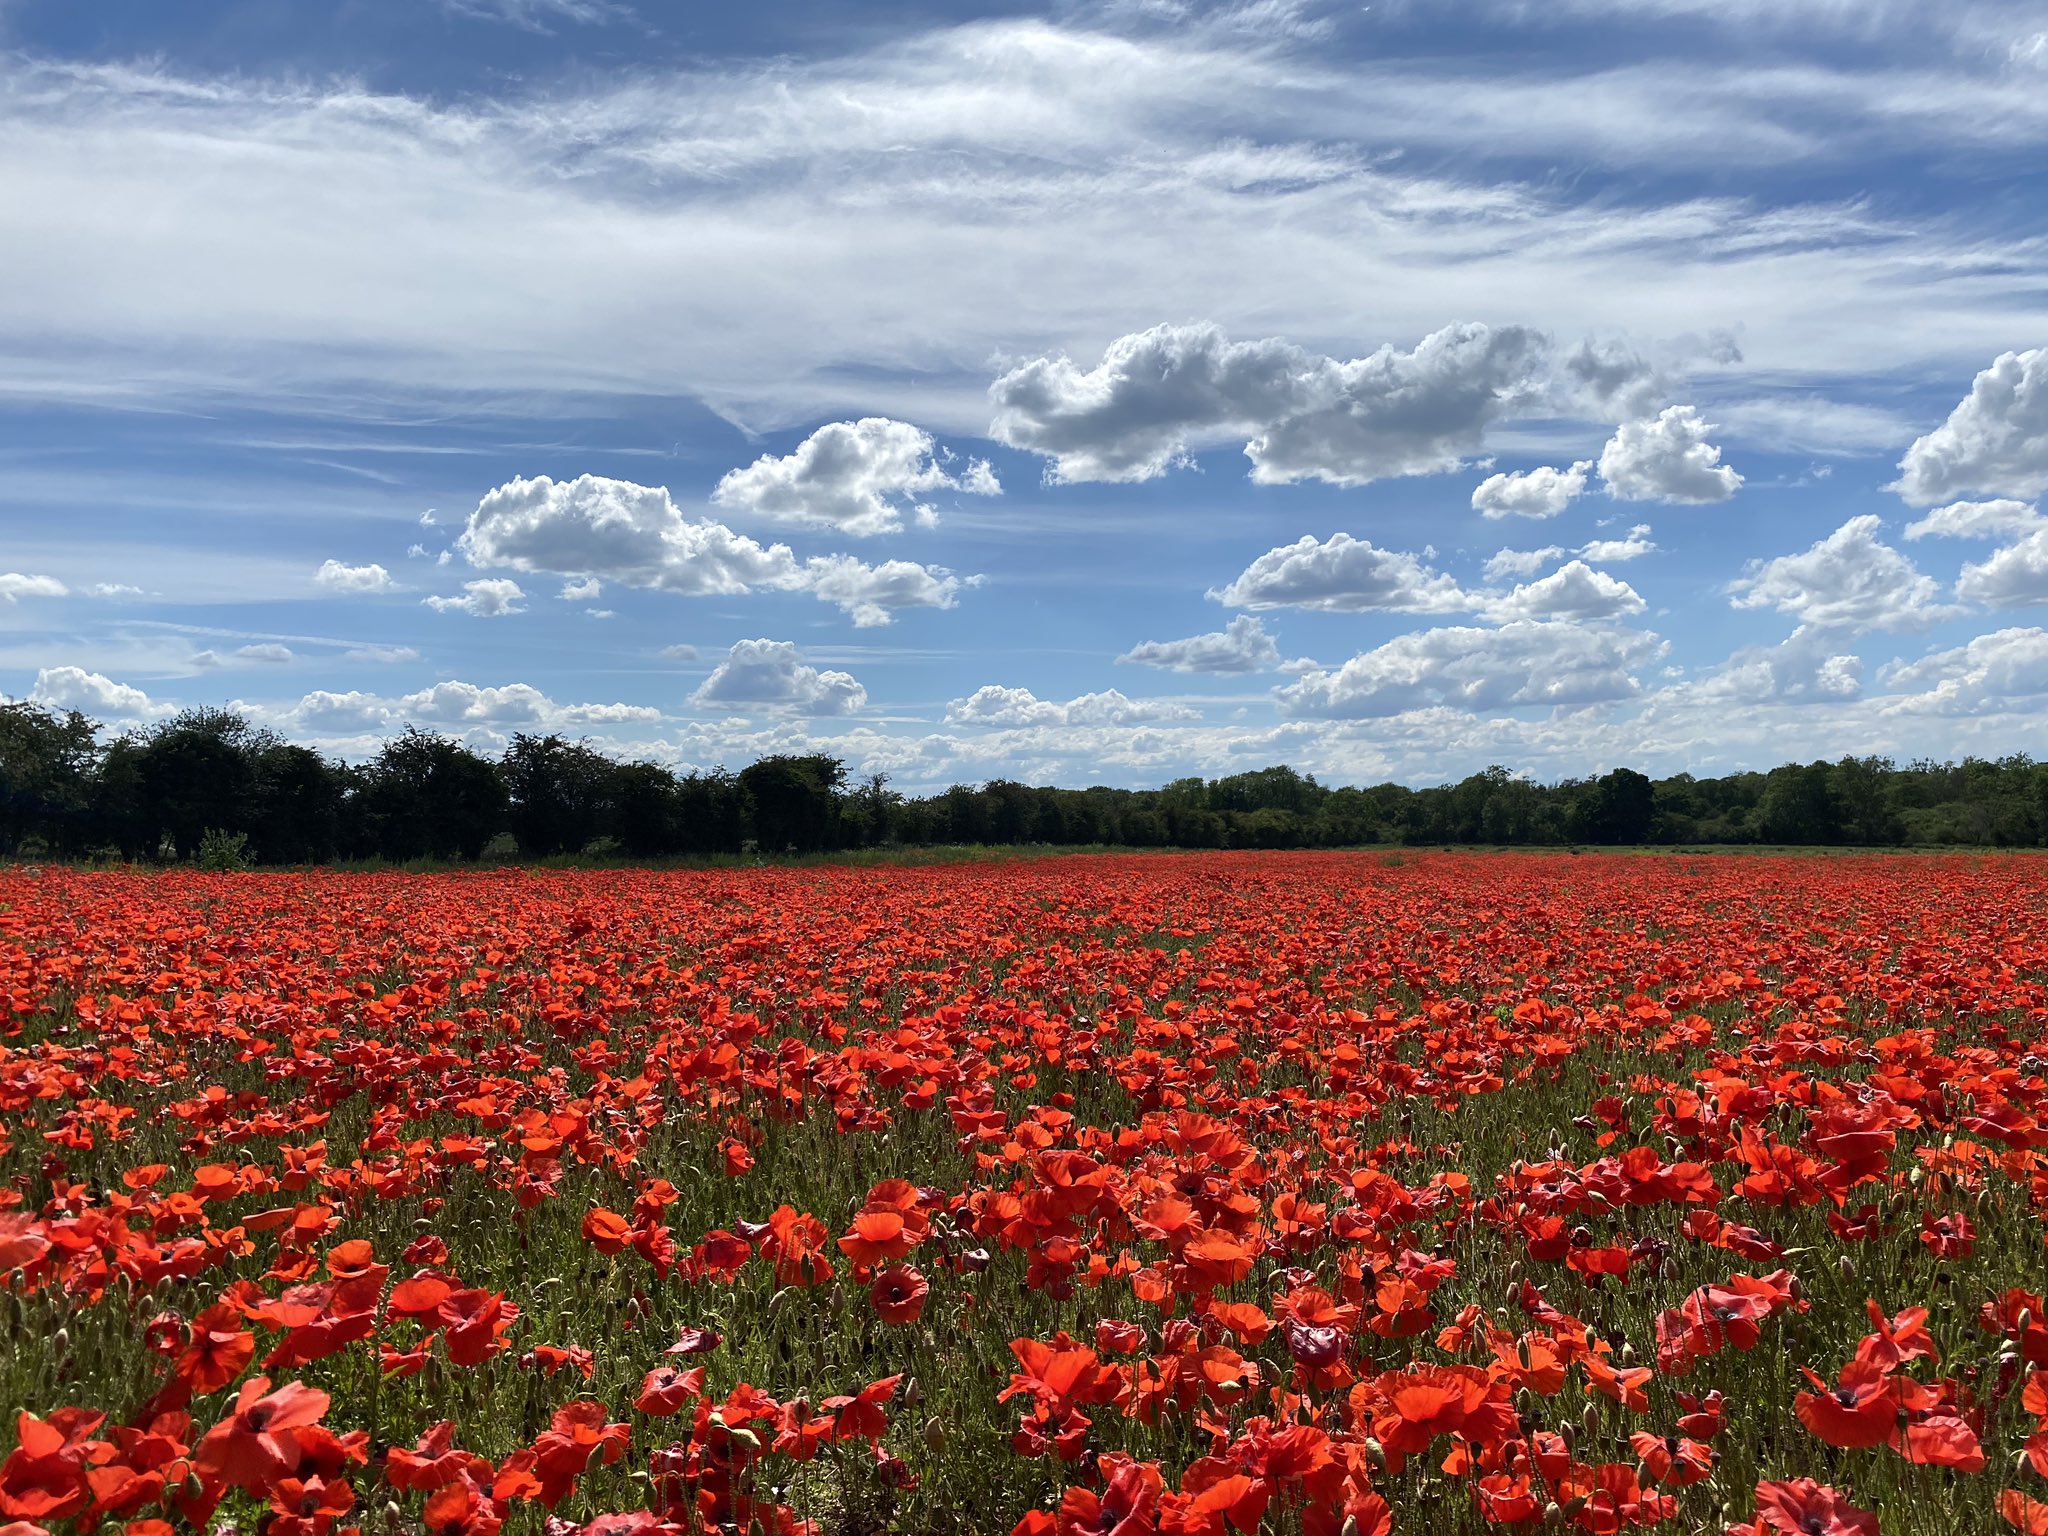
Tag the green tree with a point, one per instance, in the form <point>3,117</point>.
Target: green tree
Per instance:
<point>47,762</point>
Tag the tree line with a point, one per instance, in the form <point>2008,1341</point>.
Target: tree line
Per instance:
<point>210,786</point>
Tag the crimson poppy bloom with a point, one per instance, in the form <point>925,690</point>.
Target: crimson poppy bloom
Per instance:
<point>898,1294</point>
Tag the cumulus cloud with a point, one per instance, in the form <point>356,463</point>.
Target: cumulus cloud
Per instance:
<point>1574,591</point>
<point>1240,646</point>
<point>1158,395</point>
<point>1503,563</point>
<point>337,577</point>
<point>872,594</point>
<point>1666,458</point>
<point>615,529</point>
<point>634,534</point>
<point>773,675</point>
<point>1343,575</point>
<point>1541,492</point>
<point>94,694</point>
<point>1474,669</point>
<point>1851,581</point>
<point>587,590</point>
<point>14,586</point>
<point>1994,443</point>
<point>1989,672</point>
<point>1611,380</point>
<point>1807,667</point>
<point>1976,520</point>
<point>858,477</point>
<point>1633,545</point>
<point>268,652</point>
<point>2013,577</point>
<point>993,705</point>
<point>491,598</point>
<point>456,706</point>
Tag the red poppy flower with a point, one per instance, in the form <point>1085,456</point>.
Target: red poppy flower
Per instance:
<point>254,1446</point>
<point>898,1294</point>
<point>1799,1506</point>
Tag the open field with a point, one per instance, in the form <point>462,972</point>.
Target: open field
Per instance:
<point>1193,1193</point>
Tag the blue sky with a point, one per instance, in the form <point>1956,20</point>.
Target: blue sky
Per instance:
<point>1084,393</point>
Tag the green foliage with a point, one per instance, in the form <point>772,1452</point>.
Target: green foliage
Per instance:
<point>221,851</point>
<point>157,792</point>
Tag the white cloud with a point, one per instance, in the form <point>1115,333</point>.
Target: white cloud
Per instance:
<point>381,654</point>
<point>267,652</point>
<point>466,709</point>
<point>1806,668</point>
<point>772,674</point>
<point>1666,458</point>
<point>1240,646</point>
<point>1541,492</point>
<point>1343,575</point>
<point>536,15</point>
<point>614,529</point>
<point>1574,591</point>
<point>337,577</point>
<point>678,652</point>
<point>1990,672</point>
<point>93,694</point>
<point>1474,669</point>
<point>491,598</point>
<point>872,594</point>
<point>1504,563</point>
<point>1994,443</point>
<point>1976,520</point>
<point>994,705</point>
<point>2013,577</point>
<point>15,586</point>
<point>1850,581</point>
<point>858,477</point>
<point>634,534</point>
<point>588,589</point>
<point>1631,546</point>
<point>1011,186</point>
<point>1612,380</point>
<point>114,590</point>
<point>1159,394</point>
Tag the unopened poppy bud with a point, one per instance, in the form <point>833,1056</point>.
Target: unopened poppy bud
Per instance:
<point>1591,1419</point>
<point>913,1393</point>
<point>1375,1451</point>
<point>934,1435</point>
<point>394,1517</point>
<point>1847,1266</point>
<point>594,1460</point>
<point>1628,1353</point>
<point>61,1341</point>
<point>1553,1514</point>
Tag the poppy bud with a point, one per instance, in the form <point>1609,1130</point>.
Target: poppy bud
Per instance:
<point>913,1393</point>
<point>1552,1514</point>
<point>60,1342</point>
<point>1847,1266</point>
<point>934,1435</point>
<point>1591,1419</point>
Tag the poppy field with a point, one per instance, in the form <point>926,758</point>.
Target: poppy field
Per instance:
<point>1189,1194</point>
